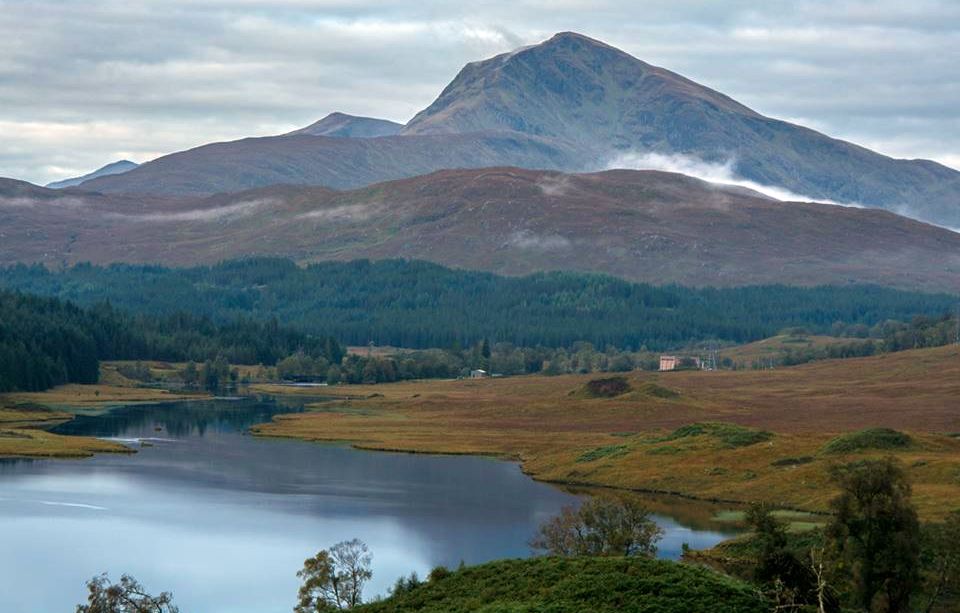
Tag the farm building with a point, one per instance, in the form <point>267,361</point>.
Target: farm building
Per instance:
<point>674,362</point>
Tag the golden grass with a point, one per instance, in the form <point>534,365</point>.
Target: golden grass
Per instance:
<point>37,443</point>
<point>12,418</point>
<point>23,415</point>
<point>74,396</point>
<point>536,420</point>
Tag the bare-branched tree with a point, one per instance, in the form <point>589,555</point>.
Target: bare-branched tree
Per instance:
<point>127,596</point>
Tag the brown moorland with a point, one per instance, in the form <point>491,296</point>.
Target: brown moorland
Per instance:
<point>646,226</point>
<point>729,435</point>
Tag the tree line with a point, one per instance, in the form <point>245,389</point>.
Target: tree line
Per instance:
<point>421,305</point>
<point>885,337</point>
<point>46,341</point>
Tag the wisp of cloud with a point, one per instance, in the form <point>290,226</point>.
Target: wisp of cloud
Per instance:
<point>708,171</point>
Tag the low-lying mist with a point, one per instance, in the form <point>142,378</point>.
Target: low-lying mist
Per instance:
<point>712,172</point>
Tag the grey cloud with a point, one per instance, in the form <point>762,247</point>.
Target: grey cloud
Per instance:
<point>83,84</point>
<point>232,211</point>
<point>346,213</point>
<point>713,172</point>
<point>525,239</point>
<point>23,202</point>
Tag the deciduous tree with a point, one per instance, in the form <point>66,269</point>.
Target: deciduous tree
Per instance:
<point>601,526</point>
<point>943,549</point>
<point>788,576</point>
<point>875,534</point>
<point>127,596</point>
<point>333,579</point>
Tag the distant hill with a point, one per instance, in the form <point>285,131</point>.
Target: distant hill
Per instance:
<point>350,126</point>
<point>339,163</point>
<point>639,225</point>
<point>569,103</point>
<point>114,168</point>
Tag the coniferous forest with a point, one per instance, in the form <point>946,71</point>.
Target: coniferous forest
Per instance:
<point>46,342</point>
<point>421,305</point>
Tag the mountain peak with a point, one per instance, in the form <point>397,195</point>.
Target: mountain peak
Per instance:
<point>570,37</point>
<point>342,125</point>
<point>113,168</point>
<point>573,35</point>
<point>570,87</point>
<point>567,103</point>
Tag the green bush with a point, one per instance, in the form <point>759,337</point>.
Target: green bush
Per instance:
<point>731,435</point>
<point>871,438</point>
<point>665,450</point>
<point>610,451</point>
<point>792,461</point>
<point>657,391</point>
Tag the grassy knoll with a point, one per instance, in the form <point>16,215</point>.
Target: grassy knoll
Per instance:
<point>572,585</point>
<point>738,436</point>
<point>868,439</point>
<point>776,347</point>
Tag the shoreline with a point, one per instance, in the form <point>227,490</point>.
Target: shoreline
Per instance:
<point>726,437</point>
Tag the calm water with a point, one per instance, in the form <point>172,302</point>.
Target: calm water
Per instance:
<point>225,520</point>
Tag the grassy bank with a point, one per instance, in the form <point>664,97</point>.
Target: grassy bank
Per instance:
<point>24,417</point>
<point>756,435</point>
<point>32,443</point>
<point>573,585</point>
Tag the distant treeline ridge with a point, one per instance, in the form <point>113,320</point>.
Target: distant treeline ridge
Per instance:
<point>46,342</point>
<point>420,305</point>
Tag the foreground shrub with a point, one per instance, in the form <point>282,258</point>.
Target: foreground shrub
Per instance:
<point>579,585</point>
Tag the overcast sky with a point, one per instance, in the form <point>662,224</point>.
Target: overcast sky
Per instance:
<point>86,83</point>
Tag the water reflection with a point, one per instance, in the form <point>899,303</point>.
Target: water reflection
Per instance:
<point>225,520</point>
<point>183,419</point>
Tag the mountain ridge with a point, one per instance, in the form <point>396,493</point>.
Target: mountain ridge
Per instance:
<point>113,168</point>
<point>581,90</point>
<point>570,103</point>
<point>647,226</point>
<point>343,125</point>
<point>338,163</point>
